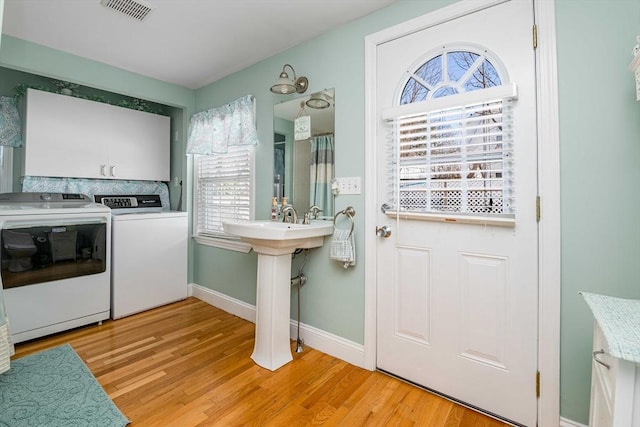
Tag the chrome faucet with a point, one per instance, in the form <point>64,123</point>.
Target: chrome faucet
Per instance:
<point>311,214</point>
<point>314,211</point>
<point>289,214</point>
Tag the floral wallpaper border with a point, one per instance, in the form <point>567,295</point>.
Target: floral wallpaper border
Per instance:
<point>67,88</point>
<point>91,187</point>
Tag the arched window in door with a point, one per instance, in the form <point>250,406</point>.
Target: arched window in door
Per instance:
<point>452,136</point>
<point>448,73</point>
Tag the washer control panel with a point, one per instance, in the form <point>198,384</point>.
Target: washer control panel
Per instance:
<point>146,203</point>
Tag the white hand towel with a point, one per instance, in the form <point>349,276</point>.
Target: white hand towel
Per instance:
<point>343,248</point>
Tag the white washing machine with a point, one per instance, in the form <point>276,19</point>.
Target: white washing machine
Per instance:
<point>148,254</point>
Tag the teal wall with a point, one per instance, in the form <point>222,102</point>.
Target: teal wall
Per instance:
<point>600,162</point>
<point>333,298</point>
<point>600,174</point>
<point>21,55</point>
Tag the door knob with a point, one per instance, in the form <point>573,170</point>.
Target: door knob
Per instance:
<point>384,231</point>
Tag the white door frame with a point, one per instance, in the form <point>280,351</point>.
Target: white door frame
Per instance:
<point>548,183</point>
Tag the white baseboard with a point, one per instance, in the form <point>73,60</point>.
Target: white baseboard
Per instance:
<point>318,339</point>
<point>568,423</point>
<point>223,302</point>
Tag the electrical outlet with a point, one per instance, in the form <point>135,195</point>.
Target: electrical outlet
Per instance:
<point>350,185</point>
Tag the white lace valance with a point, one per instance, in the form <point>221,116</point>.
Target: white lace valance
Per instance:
<point>213,131</point>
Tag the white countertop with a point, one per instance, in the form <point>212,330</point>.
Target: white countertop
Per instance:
<point>619,320</point>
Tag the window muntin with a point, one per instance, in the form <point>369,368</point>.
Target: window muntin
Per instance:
<point>450,73</point>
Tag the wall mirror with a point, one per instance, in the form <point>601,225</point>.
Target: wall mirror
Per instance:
<point>304,157</point>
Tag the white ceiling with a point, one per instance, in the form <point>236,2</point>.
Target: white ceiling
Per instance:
<point>187,42</point>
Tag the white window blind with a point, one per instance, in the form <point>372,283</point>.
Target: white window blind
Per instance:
<point>454,160</point>
<point>224,187</point>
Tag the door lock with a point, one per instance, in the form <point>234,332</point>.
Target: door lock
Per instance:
<point>384,231</point>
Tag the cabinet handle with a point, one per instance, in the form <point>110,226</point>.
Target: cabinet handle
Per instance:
<point>103,170</point>
<point>595,357</point>
<point>113,170</point>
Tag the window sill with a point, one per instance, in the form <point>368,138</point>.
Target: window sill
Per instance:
<point>223,243</point>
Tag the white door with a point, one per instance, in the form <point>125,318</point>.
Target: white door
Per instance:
<point>458,286</point>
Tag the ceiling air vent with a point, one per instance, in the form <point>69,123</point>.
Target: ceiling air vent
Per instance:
<point>132,8</point>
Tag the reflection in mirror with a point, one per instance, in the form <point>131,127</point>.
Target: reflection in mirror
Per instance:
<point>304,156</point>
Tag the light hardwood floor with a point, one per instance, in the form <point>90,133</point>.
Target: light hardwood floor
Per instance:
<point>188,364</point>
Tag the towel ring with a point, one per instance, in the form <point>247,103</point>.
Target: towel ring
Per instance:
<point>350,213</point>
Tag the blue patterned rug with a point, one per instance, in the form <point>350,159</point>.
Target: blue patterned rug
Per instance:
<point>55,388</point>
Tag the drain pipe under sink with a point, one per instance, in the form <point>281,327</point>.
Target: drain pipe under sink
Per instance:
<point>299,281</point>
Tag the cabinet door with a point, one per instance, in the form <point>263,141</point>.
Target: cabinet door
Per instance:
<point>77,138</point>
<point>615,387</point>
<point>62,137</point>
<point>139,145</point>
<point>600,413</point>
<point>603,382</point>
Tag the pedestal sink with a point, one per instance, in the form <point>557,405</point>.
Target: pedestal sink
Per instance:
<point>275,242</point>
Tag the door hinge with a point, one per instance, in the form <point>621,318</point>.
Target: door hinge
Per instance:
<point>537,383</point>
<point>538,208</point>
<point>535,36</point>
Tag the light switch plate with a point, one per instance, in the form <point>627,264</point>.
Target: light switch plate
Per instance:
<point>349,185</point>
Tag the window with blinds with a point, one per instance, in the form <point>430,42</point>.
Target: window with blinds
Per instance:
<point>453,155</point>
<point>224,188</point>
<point>450,139</point>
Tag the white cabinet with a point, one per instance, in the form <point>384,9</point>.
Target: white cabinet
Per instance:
<point>615,388</point>
<point>73,137</point>
<point>615,371</point>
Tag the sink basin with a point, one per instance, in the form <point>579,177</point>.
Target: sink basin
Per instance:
<point>275,237</point>
<point>275,242</point>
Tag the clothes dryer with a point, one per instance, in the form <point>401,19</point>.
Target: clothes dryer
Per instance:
<point>148,254</point>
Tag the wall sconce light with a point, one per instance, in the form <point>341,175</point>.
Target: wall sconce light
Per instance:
<point>285,85</point>
<point>318,100</point>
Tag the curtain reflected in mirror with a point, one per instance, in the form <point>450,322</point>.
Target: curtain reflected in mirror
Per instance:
<point>321,172</point>
<point>278,166</point>
<point>304,168</point>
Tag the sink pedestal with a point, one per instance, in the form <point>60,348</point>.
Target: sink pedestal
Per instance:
<point>272,347</point>
<point>274,242</point>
